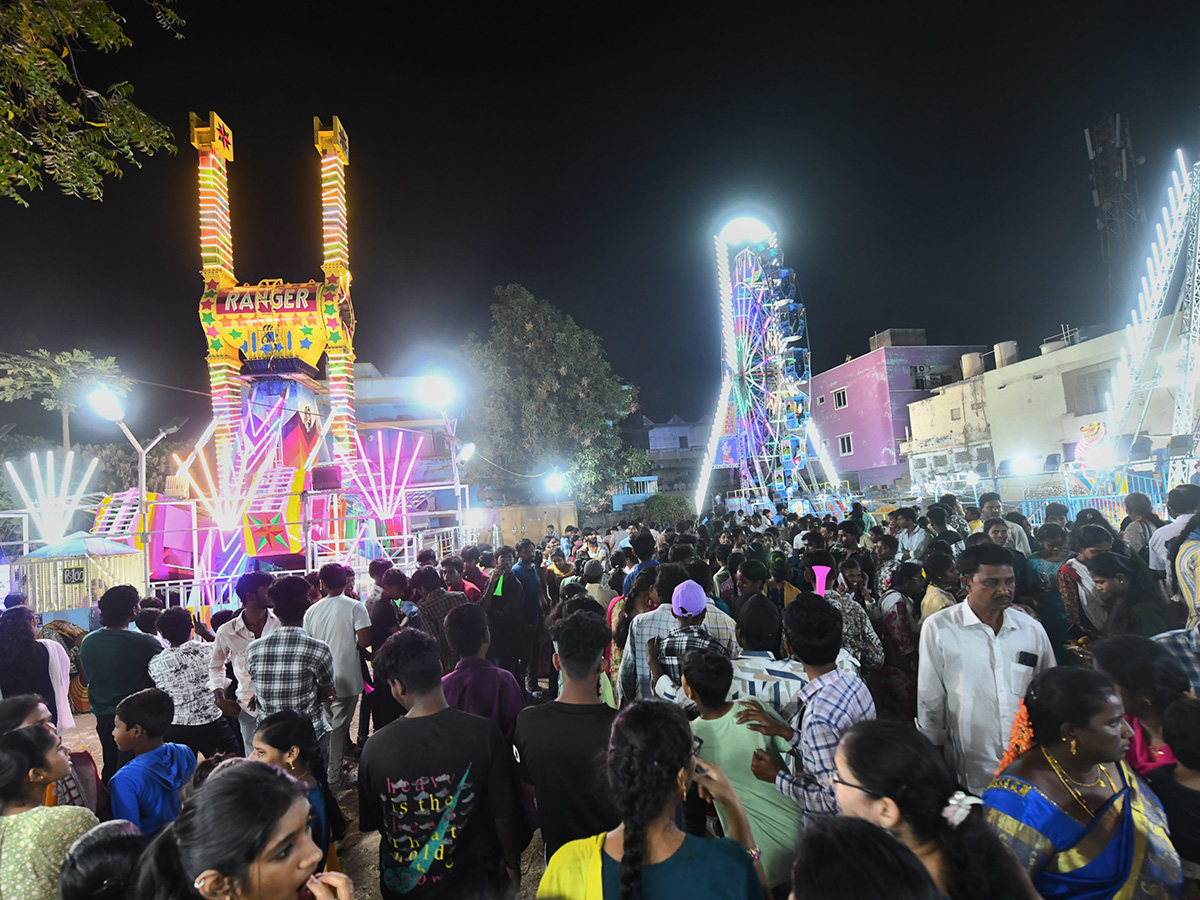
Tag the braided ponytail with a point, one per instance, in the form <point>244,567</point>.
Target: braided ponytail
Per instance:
<point>651,741</point>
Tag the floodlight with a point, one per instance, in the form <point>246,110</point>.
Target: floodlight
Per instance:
<point>436,391</point>
<point>555,482</point>
<point>466,452</point>
<point>106,405</point>
<point>1026,465</point>
<point>745,230</point>
<point>174,425</point>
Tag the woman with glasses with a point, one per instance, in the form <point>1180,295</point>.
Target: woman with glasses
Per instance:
<point>651,765</point>
<point>892,776</point>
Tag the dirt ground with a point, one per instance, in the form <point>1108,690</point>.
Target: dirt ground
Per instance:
<point>358,853</point>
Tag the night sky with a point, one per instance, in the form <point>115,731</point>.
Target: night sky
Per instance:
<point>922,171</point>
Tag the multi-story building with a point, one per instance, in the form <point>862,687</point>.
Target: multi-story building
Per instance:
<point>860,408</point>
<point>676,451</point>
<point>1029,417</point>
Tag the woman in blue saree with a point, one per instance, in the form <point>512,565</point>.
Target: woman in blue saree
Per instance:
<point>1075,814</point>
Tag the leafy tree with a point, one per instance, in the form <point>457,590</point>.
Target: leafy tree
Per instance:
<point>51,122</point>
<point>668,508</point>
<point>546,396</point>
<point>60,379</point>
<point>117,469</point>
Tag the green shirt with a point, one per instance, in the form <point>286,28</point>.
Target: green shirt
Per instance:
<point>115,663</point>
<point>774,819</point>
<point>33,845</point>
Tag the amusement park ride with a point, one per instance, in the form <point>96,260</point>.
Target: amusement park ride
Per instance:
<point>762,426</point>
<point>1177,365</point>
<point>266,475</point>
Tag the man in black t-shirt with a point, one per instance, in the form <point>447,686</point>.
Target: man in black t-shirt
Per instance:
<point>435,784</point>
<point>561,746</point>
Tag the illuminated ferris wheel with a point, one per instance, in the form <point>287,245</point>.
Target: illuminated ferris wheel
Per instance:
<point>762,427</point>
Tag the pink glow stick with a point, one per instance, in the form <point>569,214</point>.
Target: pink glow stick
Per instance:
<point>822,573</point>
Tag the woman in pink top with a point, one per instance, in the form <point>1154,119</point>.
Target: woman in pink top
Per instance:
<point>1149,680</point>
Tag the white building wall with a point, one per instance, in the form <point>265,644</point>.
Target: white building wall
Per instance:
<point>1022,410</point>
<point>666,437</point>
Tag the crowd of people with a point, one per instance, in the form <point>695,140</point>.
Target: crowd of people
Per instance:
<point>938,702</point>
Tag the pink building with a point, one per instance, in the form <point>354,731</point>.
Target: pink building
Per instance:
<point>861,407</point>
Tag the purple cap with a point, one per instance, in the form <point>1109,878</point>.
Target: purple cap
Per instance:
<point>688,599</point>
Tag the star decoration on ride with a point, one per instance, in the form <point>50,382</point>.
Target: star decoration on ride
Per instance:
<point>268,530</point>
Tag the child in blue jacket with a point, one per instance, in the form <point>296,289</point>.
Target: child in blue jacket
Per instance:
<point>146,790</point>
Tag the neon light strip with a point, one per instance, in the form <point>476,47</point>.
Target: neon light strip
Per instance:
<point>227,497</point>
<point>385,495</point>
<point>333,210</point>
<point>55,504</point>
<point>1160,271</point>
<point>714,438</point>
<point>216,240</point>
<point>814,437</point>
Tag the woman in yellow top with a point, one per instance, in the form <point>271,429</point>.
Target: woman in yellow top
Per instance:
<point>34,838</point>
<point>942,578</point>
<point>651,765</point>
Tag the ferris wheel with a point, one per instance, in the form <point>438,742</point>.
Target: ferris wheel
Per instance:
<point>762,427</point>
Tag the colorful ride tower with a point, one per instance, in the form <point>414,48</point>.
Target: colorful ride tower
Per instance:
<point>266,342</point>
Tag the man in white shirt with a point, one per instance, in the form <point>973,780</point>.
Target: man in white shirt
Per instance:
<point>977,660</point>
<point>1182,503</point>
<point>229,646</point>
<point>345,625</point>
<point>911,536</point>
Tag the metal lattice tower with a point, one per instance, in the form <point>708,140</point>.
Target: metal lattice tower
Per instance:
<point>1176,366</point>
<point>1120,218</point>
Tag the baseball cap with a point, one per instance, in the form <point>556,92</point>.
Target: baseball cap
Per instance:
<point>688,599</point>
<point>592,569</point>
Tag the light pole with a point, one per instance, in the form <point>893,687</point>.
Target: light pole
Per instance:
<point>107,405</point>
<point>438,393</point>
<point>556,482</point>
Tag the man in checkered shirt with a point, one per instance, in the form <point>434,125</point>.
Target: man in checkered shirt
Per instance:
<point>634,678</point>
<point>1184,645</point>
<point>291,669</point>
<point>833,700</point>
<point>689,605</point>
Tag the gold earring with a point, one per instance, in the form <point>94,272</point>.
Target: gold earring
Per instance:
<point>1072,746</point>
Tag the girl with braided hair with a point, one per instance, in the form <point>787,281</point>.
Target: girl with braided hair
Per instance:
<point>651,765</point>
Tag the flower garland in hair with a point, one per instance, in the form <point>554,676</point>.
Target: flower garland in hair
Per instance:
<point>1020,738</point>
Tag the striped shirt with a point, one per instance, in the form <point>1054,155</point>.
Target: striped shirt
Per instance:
<point>777,683</point>
<point>833,702</point>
